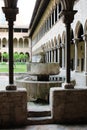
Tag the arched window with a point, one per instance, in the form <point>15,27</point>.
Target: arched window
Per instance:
<point>21,43</point>
<point>4,42</point>
<point>26,45</point>
<point>15,42</point>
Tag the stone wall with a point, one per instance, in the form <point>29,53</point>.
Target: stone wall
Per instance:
<point>69,105</point>
<point>13,108</point>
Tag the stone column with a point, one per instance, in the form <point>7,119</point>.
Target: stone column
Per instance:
<point>55,55</point>
<point>76,53</point>
<point>85,71</point>
<point>63,56</point>
<point>54,15</point>
<point>49,56</point>
<point>52,55</point>
<point>68,17</point>
<point>57,11</point>
<point>30,44</point>
<point>10,14</point>
<point>59,54</point>
<point>85,40</point>
<point>51,19</point>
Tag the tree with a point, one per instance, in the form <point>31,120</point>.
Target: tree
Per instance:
<point>26,57</point>
<point>5,56</point>
<point>21,57</point>
<point>16,56</point>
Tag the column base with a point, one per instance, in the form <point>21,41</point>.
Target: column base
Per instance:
<point>85,73</point>
<point>11,87</point>
<point>68,86</point>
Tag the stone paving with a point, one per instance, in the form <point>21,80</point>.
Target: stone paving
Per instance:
<point>53,127</point>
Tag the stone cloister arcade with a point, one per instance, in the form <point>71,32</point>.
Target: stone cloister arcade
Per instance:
<point>67,104</point>
<point>55,49</point>
<point>21,46</point>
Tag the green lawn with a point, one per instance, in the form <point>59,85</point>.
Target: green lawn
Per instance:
<point>17,68</point>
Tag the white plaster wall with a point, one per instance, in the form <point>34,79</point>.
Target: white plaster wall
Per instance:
<point>57,28</point>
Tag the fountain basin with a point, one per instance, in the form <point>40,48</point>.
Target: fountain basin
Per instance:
<point>38,83</point>
<point>38,89</point>
<point>36,68</point>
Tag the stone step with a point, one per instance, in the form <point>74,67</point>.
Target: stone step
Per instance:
<point>39,120</point>
<point>39,113</point>
<point>38,110</point>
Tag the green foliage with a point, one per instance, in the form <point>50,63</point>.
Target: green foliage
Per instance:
<point>5,56</point>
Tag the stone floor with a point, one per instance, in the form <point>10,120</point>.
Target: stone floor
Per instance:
<point>53,127</point>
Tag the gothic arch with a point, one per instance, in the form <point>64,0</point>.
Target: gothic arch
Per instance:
<point>55,41</point>
<point>49,44</point>
<point>20,42</point>
<point>15,42</point>
<point>4,42</point>
<point>78,30</point>
<point>67,4</point>
<point>52,43</point>
<point>59,39</point>
<point>26,43</point>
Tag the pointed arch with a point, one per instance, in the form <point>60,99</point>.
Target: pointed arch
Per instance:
<point>52,43</point>
<point>55,41</point>
<point>78,30</point>
<point>59,39</point>
<point>67,4</point>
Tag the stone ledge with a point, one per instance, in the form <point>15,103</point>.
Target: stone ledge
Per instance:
<point>69,105</point>
<point>13,108</point>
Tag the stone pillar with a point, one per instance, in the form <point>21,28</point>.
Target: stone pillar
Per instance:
<point>46,56</point>
<point>68,17</point>
<point>63,57</point>
<point>55,55</point>
<point>51,19</point>
<point>57,11</point>
<point>85,40</point>
<point>58,54</point>
<point>76,53</point>
<point>54,15</point>
<point>52,55</point>
<point>10,14</point>
<point>30,45</point>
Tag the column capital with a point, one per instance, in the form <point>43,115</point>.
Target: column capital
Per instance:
<point>76,40</point>
<point>62,45</point>
<point>68,16</point>
<point>10,13</point>
<point>84,37</point>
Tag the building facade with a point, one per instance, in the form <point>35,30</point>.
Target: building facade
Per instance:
<point>48,33</point>
<point>20,41</point>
